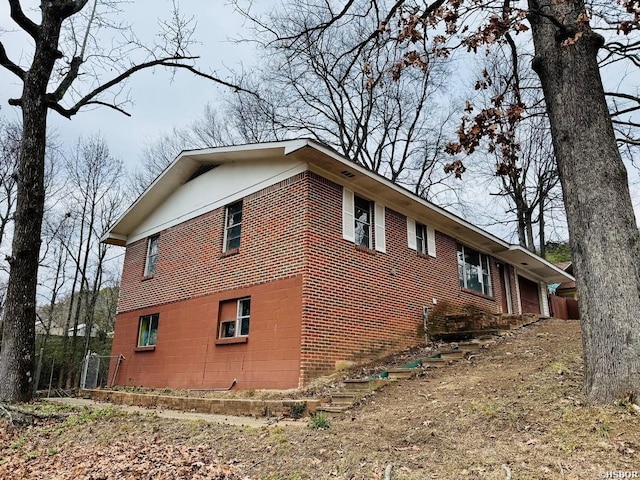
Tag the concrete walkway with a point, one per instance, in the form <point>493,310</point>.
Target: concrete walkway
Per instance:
<point>177,415</point>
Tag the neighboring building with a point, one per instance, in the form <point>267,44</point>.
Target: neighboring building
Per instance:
<point>275,263</point>
<point>567,289</point>
<point>48,327</point>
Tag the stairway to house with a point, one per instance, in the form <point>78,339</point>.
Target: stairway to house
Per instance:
<point>352,391</point>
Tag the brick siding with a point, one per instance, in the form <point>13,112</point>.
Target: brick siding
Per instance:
<point>345,303</point>
<point>359,305</point>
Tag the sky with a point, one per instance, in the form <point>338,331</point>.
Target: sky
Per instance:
<point>160,101</point>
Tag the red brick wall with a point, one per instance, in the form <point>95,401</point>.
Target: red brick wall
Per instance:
<point>193,275</point>
<point>187,356</point>
<point>360,304</point>
<point>190,261</point>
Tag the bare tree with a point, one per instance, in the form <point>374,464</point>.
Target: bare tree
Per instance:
<point>325,87</point>
<point>603,232</point>
<point>71,67</point>
<point>524,170</point>
<point>93,203</point>
<point>10,140</point>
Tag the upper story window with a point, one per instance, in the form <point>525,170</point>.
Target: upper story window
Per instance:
<point>421,238</point>
<point>363,221</point>
<point>473,270</point>
<point>152,256</point>
<point>233,226</point>
<point>235,324</point>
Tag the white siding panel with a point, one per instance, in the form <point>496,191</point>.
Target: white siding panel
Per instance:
<point>216,188</point>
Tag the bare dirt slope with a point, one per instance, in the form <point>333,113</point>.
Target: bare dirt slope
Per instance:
<point>516,411</point>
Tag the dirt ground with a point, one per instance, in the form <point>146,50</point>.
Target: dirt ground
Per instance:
<point>514,412</point>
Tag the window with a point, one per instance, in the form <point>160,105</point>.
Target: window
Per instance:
<point>233,224</point>
<point>358,223</point>
<point>362,225</point>
<point>421,238</point>
<point>473,270</point>
<point>152,256</point>
<point>235,324</point>
<point>148,330</point>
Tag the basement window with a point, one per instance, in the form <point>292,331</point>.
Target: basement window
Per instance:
<point>148,331</point>
<point>234,320</point>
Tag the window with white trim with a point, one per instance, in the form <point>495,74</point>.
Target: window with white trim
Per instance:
<point>152,256</point>
<point>421,238</point>
<point>362,218</point>
<point>233,226</point>
<point>235,325</point>
<point>473,270</point>
<point>148,330</point>
<point>363,221</point>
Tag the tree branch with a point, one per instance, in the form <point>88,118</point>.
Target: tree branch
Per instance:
<point>9,65</point>
<point>67,81</point>
<point>68,113</point>
<point>22,20</point>
<point>71,7</point>
<point>89,99</point>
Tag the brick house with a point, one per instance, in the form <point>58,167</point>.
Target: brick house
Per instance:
<point>274,263</point>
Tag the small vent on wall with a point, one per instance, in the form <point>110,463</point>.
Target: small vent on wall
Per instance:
<point>348,174</point>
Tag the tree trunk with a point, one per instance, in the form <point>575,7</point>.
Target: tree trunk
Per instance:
<point>18,342</point>
<point>531,243</point>
<point>603,234</point>
<point>541,227</point>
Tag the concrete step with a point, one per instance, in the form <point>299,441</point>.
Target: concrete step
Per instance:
<point>434,362</point>
<point>343,398</point>
<point>452,354</point>
<point>469,346</point>
<point>462,335</point>
<point>400,373</point>
<point>332,411</point>
<point>364,385</point>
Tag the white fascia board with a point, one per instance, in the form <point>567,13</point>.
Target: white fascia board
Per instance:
<point>548,272</point>
<point>284,145</point>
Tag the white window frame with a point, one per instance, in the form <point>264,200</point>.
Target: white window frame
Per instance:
<point>376,224</point>
<point>421,238</point>
<point>237,322</point>
<point>228,228</point>
<point>367,225</point>
<point>462,271</point>
<point>152,337</point>
<point>151,259</point>
<point>429,240</point>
